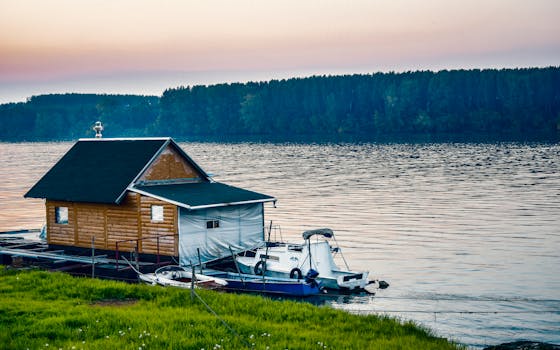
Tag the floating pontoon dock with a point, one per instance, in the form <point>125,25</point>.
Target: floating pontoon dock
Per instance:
<point>25,244</point>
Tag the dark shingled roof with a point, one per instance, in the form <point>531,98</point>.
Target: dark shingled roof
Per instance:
<point>97,171</point>
<point>202,195</point>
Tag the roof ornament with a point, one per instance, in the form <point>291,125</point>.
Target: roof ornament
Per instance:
<point>98,128</point>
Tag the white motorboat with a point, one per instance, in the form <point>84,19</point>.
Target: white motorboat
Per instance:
<point>179,276</point>
<point>295,260</point>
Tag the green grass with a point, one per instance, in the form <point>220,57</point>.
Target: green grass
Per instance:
<point>43,310</point>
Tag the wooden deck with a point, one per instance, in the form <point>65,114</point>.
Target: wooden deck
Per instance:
<point>24,248</point>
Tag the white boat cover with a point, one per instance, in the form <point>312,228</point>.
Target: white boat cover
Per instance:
<point>241,227</point>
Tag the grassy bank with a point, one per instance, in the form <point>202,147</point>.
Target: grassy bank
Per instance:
<point>42,310</point>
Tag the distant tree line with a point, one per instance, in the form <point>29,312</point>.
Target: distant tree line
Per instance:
<point>71,116</point>
<point>490,102</point>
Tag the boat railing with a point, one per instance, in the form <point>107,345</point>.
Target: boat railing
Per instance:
<point>136,247</point>
<point>273,232</point>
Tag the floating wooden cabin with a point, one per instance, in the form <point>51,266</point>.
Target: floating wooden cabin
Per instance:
<point>146,194</point>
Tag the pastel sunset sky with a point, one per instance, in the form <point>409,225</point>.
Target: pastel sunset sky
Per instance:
<point>144,47</point>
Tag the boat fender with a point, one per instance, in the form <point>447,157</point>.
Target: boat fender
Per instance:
<point>383,284</point>
<point>310,277</point>
<point>259,268</point>
<point>379,284</point>
<point>296,273</point>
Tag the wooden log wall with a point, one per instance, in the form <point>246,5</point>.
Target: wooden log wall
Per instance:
<point>60,233</point>
<point>122,223</point>
<point>167,227</point>
<point>130,221</point>
<point>90,224</point>
<point>170,165</point>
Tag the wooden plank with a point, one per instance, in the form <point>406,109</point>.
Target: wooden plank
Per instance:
<point>139,222</point>
<point>48,218</point>
<point>176,230</point>
<point>159,228</point>
<point>125,224</point>
<point>121,214</point>
<point>169,165</point>
<point>90,219</point>
<point>126,227</point>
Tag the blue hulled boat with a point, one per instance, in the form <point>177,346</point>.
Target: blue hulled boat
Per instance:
<point>269,285</point>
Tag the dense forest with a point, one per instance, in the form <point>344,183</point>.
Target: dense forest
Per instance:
<point>460,102</point>
<point>71,116</point>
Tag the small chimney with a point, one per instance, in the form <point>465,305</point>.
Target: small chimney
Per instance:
<point>98,128</point>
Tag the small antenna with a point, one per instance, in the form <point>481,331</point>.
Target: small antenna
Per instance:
<point>98,128</point>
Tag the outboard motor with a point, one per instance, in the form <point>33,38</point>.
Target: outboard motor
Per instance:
<point>311,276</point>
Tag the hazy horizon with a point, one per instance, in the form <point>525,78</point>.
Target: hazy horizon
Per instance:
<point>144,47</point>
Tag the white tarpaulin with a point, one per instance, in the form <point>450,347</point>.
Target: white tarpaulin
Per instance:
<point>213,231</point>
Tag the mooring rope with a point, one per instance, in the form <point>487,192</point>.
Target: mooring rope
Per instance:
<point>452,311</point>
<point>221,320</point>
<point>193,292</point>
<point>465,298</point>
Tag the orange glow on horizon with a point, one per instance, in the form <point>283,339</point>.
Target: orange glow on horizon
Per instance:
<point>61,39</point>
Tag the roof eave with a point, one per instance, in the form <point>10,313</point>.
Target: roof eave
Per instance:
<point>26,195</point>
<point>232,203</point>
<point>148,194</point>
<point>197,207</point>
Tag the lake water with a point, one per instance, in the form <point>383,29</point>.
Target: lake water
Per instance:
<point>467,235</point>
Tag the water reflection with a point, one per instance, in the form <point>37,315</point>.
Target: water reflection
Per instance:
<point>463,228</point>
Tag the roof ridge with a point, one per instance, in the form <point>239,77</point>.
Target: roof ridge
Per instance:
<point>127,139</point>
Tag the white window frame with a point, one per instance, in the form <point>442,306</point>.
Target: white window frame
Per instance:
<point>61,215</point>
<point>211,224</point>
<point>157,213</point>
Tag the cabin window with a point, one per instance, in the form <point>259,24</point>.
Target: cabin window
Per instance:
<point>157,213</point>
<point>61,215</point>
<point>212,223</point>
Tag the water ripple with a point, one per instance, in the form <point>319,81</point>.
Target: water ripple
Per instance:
<point>474,221</point>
